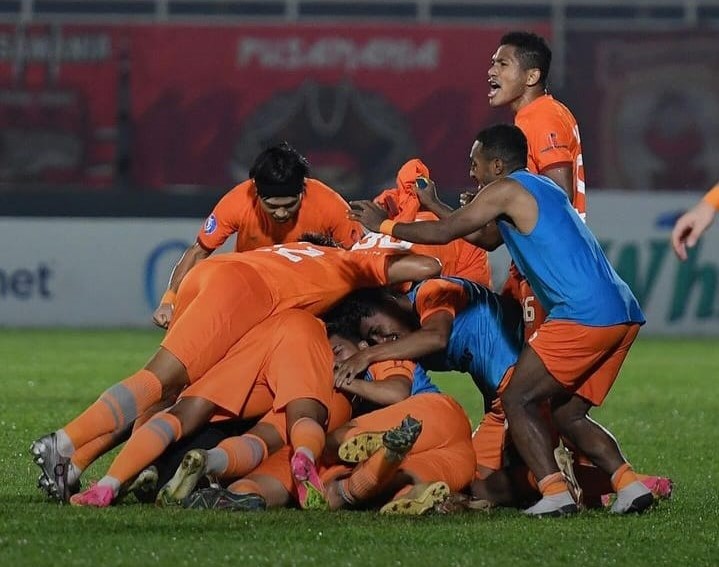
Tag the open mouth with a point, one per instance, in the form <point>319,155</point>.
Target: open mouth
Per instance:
<point>493,88</point>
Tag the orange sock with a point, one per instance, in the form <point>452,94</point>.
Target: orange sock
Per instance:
<point>308,434</point>
<point>244,454</point>
<point>145,445</point>
<point>552,484</point>
<point>86,455</point>
<point>116,408</point>
<point>623,477</point>
<point>370,476</point>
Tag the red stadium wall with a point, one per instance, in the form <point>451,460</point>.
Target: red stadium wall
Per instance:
<point>357,101</point>
<point>58,104</point>
<point>648,107</point>
<point>157,107</point>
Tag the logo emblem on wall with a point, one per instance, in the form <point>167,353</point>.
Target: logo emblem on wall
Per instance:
<point>354,138</point>
<point>656,134</point>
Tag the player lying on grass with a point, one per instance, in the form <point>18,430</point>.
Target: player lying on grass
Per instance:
<point>282,367</point>
<point>392,320</point>
<point>219,302</point>
<point>436,460</point>
<point>573,358</point>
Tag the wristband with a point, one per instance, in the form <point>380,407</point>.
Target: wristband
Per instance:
<point>168,297</point>
<point>387,226</point>
<point>712,197</point>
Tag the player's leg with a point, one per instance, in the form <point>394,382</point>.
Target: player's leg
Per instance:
<point>300,374</point>
<point>234,457</point>
<point>206,324</point>
<point>598,444</point>
<point>434,475</point>
<point>115,410</point>
<point>372,475</point>
<point>270,485</point>
<point>530,385</point>
<point>144,446</point>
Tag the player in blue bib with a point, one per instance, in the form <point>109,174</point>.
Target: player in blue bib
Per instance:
<point>573,358</point>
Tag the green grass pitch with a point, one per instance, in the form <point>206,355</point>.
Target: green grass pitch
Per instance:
<point>663,409</point>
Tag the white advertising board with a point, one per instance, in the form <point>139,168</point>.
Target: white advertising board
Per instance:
<point>111,272</point>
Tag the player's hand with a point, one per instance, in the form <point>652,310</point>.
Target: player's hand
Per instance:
<point>163,315</point>
<point>368,213</point>
<point>465,198</point>
<point>346,370</point>
<point>690,226</point>
<point>426,191</point>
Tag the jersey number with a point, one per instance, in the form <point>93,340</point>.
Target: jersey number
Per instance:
<point>376,240</point>
<point>295,255</point>
<point>528,308</point>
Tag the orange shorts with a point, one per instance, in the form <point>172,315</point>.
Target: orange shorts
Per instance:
<point>585,360</point>
<point>284,358</point>
<point>216,305</point>
<point>490,438</point>
<point>339,411</point>
<point>443,450</point>
<point>277,465</point>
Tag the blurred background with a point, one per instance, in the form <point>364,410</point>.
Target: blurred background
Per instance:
<point>122,122</point>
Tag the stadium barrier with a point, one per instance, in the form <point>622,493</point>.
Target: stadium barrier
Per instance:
<point>111,272</point>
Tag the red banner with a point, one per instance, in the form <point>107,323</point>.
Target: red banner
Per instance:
<point>648,108</point>
<point>358,101</point>
<point>58,104</point>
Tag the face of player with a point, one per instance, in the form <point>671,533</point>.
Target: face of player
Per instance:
<point>343,348</point>
<point>481,170</point>
<point>383,327</point>
<point>281,209</point>
<point>507,80</point>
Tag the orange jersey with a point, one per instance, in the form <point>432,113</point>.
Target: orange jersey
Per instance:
<point>553,138</point>
<point>459,258</point>
<point>440,295</point>
<point>239,211</point>
<point>392,368</point>
<point>305,276</point>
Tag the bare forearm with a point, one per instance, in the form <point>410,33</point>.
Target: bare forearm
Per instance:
<point>384,393</point>
<point>423,232</point>
<point>442,210</point>
<point>190,258</point>
<point>411,347</point>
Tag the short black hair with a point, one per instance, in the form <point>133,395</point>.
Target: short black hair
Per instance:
<point>280,171</point>
<point>362,303</point>
<point>532,51</point>
<point>506,142</point>
<point>319,239</point>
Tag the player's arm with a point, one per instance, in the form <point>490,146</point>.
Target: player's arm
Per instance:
<point>563,175</point>
<point>431,337</point>
<point>437,302</point>
<point>192,255</point>
<point>494,200</point>
<point>390,390</point>
<point>411,268</point>
<point>487,237</point>
<point>692,224</point>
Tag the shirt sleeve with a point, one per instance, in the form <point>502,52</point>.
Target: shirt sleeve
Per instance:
<point>549,141</point>
<point>712,196</point>
<point>392,369</point>
<point>333,211</point>
<point>223,220</point>
<point>440,295</point>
